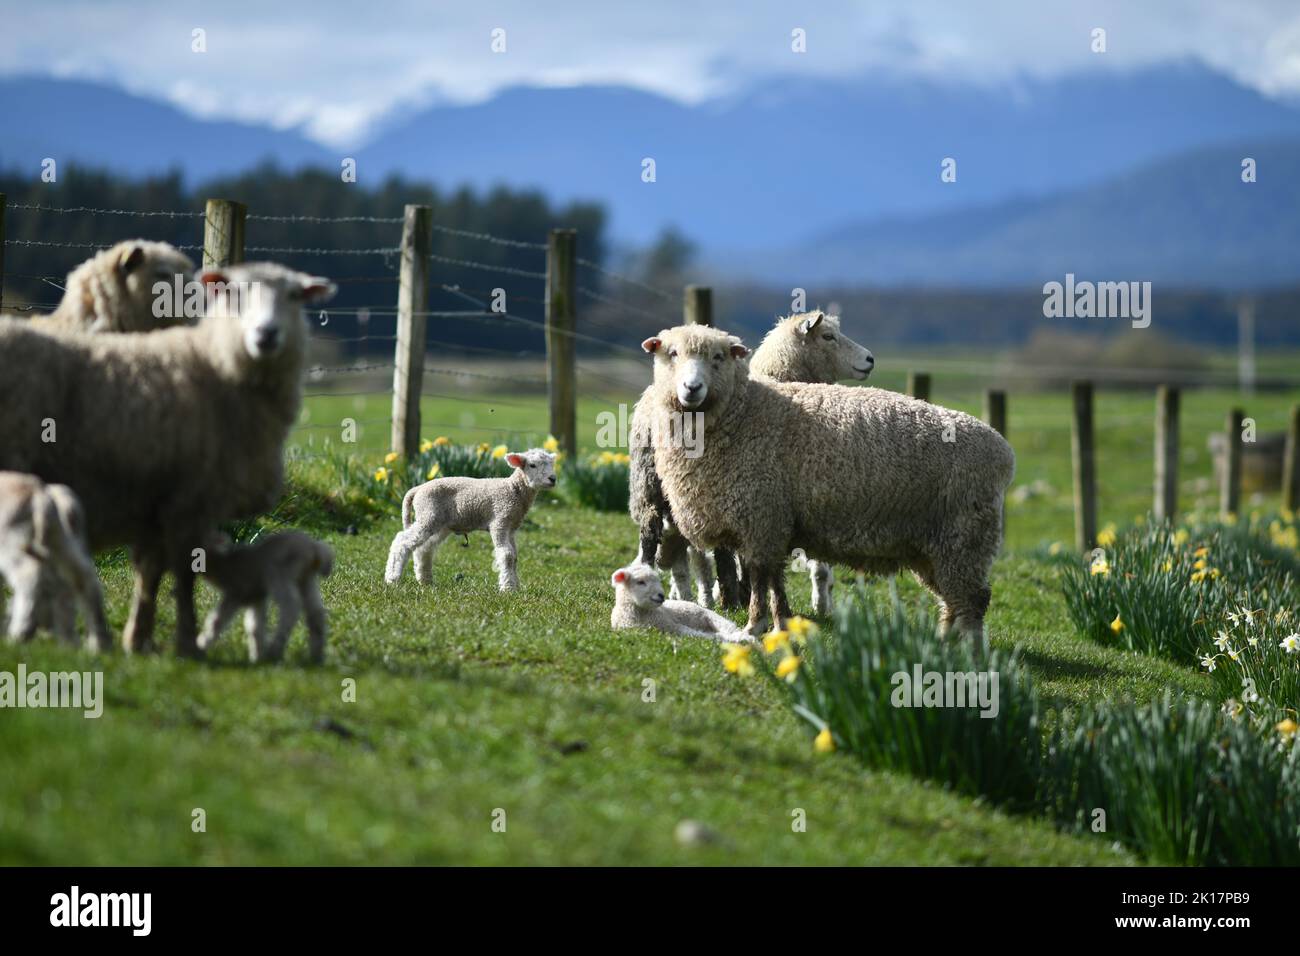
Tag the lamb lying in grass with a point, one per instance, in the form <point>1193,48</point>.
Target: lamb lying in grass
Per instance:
<point>445,506</point>
<point>639,602</point>
<point>45,559</point>
<point>284,568</point>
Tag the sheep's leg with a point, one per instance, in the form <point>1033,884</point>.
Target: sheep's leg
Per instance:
<point>505,558</point>
<point>314,608</point>
<point>703,571</point>
<point>218,619</point>
<point>82,570</point>
<point>822,580</point>
<point>187,625</point>
<point>925,575</point>
<point>776,591</point>
<point>424,556</point>
<point>405,543</point>
<point>728,593</point>
<point>137,638</point>
<point>255,630</point>
<point>290,605</point>
<point>759,577</point>
<point>652,532</point>
<point>25,578</point>
<point>673,555</point>
<point>60,615</point>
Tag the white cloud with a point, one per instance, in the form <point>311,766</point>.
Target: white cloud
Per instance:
<point>336,68</point>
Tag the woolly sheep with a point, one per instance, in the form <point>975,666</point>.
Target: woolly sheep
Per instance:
<point>284,568</point>
<point>639,602</point>
<point>45,559</point>
<point>166,435</point>
<point>857,476</point>
<point>445,506</point>
<point>113,291</point>
<point>806,347</point>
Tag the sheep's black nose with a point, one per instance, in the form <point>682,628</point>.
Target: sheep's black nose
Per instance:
<point>550,480</point>
<point>692,389</point>
<point>266,338</point>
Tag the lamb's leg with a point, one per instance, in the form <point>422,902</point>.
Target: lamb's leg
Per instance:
<point>25,579</point>
<point>255,630</point>
<point>137,637</point>
<point>82,570</point>
<point>218,619</point>
<point>314,608</point>
<point>729,593</point>
<point>505,558</point>
<point>404,544</point>
<point>60,614</point>
<point>286,599</point>
<point>424,555</point>
<point>822,579</point>
<point>703,571</point>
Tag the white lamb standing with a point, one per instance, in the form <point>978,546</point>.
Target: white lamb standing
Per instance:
<point>433,511</point>
<point>639,602</point>
<point>45,559</point>
<point>285,568</point>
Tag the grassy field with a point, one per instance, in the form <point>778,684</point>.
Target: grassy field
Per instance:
<point>469,704</point>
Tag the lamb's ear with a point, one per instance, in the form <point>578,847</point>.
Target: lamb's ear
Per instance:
<point>212,276</point>
<point>738,351</point>
<point>515,460</point>
<point>810,323</point>
<point>618,577</point>
<point>651,345</point>
<point>131,259</point>
<point>317,289</point>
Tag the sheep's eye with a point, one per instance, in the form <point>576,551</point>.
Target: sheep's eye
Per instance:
<point>532,465</point>
<point>672,353</point>
<point>828,337</point>
<point>717,357</point>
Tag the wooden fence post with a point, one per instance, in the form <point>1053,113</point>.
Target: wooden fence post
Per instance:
<point>3,202</point>
<point>918,385</point>
<point>995,410</point>
<point>561,315</point>
<point>1230,489</point>
<point>1085,468</point>
<point>698,306</point>
<point>1291,463</point>
<point>412,304</point>
<point>223,233</point>
<point>1165,507</point>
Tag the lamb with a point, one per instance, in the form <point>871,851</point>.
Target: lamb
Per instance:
<point>43,556</point>
<point>857,476</point>
<point>115,290</point>
<point>166,435</point>
<point>284,568</point>
<point>807,347</point>
<point>639,602</point>
<point>446,506</point>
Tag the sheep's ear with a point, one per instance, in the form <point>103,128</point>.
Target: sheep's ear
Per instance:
<point>212,276</point>
<point>651,345</point>
<point>618,577</point>
<point>515,460</point>
<point>130,259</point>
<point>810,323</point>
<point>738,351</point>
<point>317,289</point>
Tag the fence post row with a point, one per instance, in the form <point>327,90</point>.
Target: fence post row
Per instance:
<point>1230,489</point>
<point>412,304</point>
<point>223,233</point>
<point>1085,468</point>
<point>561,256</point>
<point>1165,507</point>
<point>2,250</point>
<point>918,385</point>
<point>697,308</point>
<point>995,410</point>
<point>1291,463</point>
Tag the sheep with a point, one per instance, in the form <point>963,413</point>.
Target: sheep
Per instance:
<point>446,506</point>
<point>807,347</point>
<point>117,290</point>
<point>166,435</point>
<point>639,602</point>
<point>284,568</point>
<point>857,476</point>
<point>43,556</point>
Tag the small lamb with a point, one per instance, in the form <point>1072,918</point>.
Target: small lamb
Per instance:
<point>284,568</point>
<point>44,556</point>
<point>639,602</point>
<point>433,511</point>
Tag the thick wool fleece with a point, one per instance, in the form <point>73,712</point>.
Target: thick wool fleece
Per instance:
<point>822,354</point>
<point>856,476</point>
<point>674,617</point>
<point>113,290</point>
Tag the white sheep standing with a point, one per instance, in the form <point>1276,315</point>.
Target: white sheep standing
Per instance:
<point>116,290</point>
<point>45,559</point>
<point>164,436</point>
<point>639,602</point>
<point>445,506</point>
<point>858,476</point>
<point>286,568</point>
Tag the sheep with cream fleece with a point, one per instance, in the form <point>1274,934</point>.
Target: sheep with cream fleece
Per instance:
<point>117,290</point>
<point>858,476</point>
<point>639,602</point>
<point>166,435</point>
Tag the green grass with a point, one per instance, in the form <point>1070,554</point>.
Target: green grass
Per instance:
<point>468,701</point>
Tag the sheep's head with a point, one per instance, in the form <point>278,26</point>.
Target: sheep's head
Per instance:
<point>811,347</point>
<point>268,301</point>
<point>641,583</point>
<point>119,286</point>
<point>537,466</point>
<point>700,366</point>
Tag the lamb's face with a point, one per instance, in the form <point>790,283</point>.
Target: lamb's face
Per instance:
<point>268,300</point>
<point>641,583</point>
<point>140,266</point>
<point>537,467</point>
<point>831,353</point>
<point>701,366</point>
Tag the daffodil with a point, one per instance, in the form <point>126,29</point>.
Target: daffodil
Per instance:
<point>1291,644</point>
<point>1200,564</point>
<point>391,457</point>
<point>736,659</point>
<point>788,668</point>
<point>1117,625</point>
<point>482,448</point>
<point>1106,536</point>
<point>1099,566</point>
<point>552,444</point>
<point>434,471</point>
<point>1232,708</point>
<point>824,743</point>
<point>1181,536</point>
<point>381,474</point>
<point>800,629</point>
<point>1222,641</point>
<point>1287,728</point>
<point>1200,552</point>
<point>426,446</point>
<point>1056,548</point>
<point>1207,662</point>
<point>774,641</point>
<point>1168,565</point>
<point>443,440</point>
<point>499,452</point>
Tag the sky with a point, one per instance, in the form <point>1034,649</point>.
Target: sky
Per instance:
<point>337,68</point>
